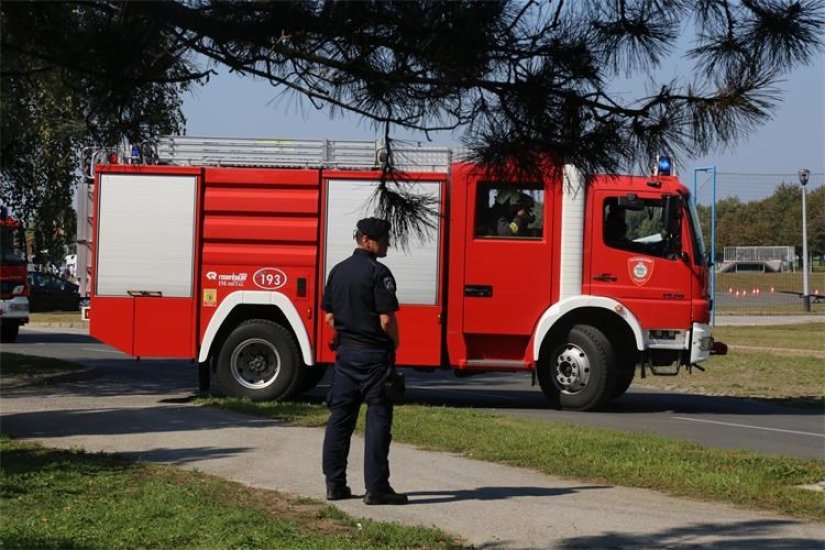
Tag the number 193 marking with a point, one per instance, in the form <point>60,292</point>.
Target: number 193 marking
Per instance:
<point>269,278</point>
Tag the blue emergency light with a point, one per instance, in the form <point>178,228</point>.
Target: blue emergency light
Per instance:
<point>664,166</point>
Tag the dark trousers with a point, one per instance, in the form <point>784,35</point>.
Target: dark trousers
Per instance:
<point>358,377</point>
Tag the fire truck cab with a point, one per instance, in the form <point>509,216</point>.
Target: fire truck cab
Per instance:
<point>217,250</point>
<point>14,288</point>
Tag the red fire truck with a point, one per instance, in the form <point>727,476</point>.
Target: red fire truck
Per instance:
<point>14,288</point>
<point>217,250</point>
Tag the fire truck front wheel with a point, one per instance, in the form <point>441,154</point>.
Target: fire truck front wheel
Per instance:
<point>580,372</point>
<point>259,360</point>
<point>624,377</point>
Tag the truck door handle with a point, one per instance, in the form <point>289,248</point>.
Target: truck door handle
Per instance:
<point>606,277</point>
<point>478,291</point>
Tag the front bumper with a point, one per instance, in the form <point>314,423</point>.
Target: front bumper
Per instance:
<point>16,309</point>
<point>702,344</point>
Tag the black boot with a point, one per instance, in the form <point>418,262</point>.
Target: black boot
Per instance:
<point>387,496</point>
<point>338,492</point>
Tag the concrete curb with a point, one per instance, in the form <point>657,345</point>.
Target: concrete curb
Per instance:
<point>60,324</point>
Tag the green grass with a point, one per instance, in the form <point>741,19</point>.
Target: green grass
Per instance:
<point>64,499</point>
<point>764,281</point>
<point>309,415</point>
<point>16,364</point>
<point>801,336</point>
<point>592,454</point>
<point>785,379</point>
<point>782,363</point>
<point>770,309</point>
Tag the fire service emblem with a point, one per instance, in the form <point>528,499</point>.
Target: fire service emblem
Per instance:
<point>640,270</point>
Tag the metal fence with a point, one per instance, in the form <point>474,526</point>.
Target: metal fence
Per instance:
<point>773,259</point>
<point>758,241</point>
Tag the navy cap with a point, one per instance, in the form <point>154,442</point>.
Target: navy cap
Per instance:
<point>374,227</point>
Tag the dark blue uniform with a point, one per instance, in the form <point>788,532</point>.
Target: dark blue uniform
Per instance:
<point>358,290</point>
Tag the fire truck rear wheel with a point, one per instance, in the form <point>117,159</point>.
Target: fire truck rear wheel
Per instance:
<point>581,371</point>
<point>259,360</point>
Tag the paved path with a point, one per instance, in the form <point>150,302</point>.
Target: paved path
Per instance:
<point>491,506</point>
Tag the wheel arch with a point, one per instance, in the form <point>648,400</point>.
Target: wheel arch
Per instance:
<point>612,318</point>
<point>242,305</point>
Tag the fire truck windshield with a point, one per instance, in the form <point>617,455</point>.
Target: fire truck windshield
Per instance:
<point>12,245</point>
<point>696,231</point>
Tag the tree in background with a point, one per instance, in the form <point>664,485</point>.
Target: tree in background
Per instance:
<point>772,221</point>
<point>531,84</point>
<point>51,110</point>
<point>816,234</point>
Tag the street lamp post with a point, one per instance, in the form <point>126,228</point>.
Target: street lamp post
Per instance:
<point>806,294</point>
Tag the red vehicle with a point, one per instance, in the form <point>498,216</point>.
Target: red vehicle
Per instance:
<point>217,250</point>
<point>14,288</point>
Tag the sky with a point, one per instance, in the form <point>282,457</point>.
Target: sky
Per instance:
<point>232,106</point>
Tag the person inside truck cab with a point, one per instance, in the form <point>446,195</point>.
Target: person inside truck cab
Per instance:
<point>615,227</point>
<point>516,215</point>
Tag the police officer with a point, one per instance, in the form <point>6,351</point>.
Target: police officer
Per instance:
<point>360,304</point>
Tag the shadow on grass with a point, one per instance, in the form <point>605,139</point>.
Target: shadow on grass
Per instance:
<point>21,461</point>
<point>17,540</point>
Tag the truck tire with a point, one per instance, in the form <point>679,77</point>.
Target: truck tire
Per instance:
<point>624,377</point>
<point>259,360</point>
<point>9,332</point>
<point>204,376</point>
<point>580,373</point>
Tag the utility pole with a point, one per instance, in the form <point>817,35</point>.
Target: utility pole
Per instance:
<point>804,174</point>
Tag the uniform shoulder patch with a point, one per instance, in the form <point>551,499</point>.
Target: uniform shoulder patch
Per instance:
<point>389,283</point>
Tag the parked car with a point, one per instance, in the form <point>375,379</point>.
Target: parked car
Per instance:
<point>50,292</point>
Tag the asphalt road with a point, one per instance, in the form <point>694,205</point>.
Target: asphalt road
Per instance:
<point>725,423</point>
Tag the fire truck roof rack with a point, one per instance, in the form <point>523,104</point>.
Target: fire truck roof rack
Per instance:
<point>290,153</point>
